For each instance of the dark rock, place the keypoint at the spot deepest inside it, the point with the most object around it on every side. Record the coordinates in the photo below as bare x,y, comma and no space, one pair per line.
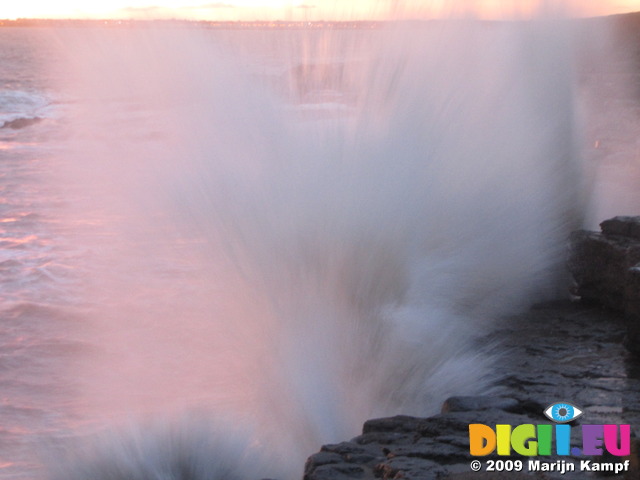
622,226
466,404
632,309
364,459
339,471
405,447
457,423
384,438
346,449
21,123
632,292
321,458
561,351
342,461
397,424
600,265
606,269
436,451
527,406
456,441
494,476
409,468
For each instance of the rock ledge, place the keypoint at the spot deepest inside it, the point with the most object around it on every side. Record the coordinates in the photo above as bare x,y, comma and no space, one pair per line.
606,268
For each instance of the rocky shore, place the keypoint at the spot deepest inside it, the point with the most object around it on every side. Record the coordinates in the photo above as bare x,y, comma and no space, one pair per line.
606,269
571,351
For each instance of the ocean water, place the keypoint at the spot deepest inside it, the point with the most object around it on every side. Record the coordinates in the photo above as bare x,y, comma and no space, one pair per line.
250,242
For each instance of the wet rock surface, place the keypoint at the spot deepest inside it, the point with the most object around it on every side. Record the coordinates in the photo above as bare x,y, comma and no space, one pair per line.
602,262
606,268
561,351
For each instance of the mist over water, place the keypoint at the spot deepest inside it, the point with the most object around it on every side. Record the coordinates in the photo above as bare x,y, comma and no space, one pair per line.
292,232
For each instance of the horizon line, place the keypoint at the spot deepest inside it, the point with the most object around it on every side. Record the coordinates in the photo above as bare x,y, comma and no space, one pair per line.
279,21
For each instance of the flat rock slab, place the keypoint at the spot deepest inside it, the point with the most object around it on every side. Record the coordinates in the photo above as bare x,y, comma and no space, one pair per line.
556,352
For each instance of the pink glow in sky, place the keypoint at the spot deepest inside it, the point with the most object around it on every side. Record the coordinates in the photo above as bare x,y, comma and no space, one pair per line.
297,9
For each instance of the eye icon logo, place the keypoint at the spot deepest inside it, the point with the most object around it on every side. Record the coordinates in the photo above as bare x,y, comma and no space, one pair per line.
562,412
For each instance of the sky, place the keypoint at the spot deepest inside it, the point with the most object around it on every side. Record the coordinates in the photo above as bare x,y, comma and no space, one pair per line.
296,9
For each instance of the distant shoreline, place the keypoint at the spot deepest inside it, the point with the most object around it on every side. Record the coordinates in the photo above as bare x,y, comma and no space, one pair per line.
256,24
223,25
